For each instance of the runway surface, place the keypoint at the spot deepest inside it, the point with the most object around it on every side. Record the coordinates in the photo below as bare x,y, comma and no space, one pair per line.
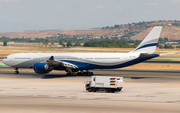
174,72
28,92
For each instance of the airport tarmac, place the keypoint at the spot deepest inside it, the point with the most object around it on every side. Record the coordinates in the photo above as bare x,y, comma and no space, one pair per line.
56,93
115,71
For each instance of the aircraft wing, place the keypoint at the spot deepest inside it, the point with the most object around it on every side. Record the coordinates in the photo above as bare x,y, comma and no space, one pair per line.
53,63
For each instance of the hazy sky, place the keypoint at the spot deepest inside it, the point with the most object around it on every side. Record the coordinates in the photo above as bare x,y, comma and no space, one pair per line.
81,14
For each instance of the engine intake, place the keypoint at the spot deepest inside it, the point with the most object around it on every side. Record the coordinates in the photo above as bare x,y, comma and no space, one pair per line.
42,68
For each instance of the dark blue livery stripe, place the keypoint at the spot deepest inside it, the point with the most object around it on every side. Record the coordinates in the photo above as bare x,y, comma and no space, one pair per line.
147,45
89,66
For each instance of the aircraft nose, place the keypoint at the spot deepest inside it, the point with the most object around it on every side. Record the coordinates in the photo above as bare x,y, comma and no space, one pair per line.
4,60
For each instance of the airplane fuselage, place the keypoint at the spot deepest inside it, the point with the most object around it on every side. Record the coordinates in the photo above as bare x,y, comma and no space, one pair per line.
85,61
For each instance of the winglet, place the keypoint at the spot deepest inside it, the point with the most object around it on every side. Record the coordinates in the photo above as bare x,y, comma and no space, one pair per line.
148,45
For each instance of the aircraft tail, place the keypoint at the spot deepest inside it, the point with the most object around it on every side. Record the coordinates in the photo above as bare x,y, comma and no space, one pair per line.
148,45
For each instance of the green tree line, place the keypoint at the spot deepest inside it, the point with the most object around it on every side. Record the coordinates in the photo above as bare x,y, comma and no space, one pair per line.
108,43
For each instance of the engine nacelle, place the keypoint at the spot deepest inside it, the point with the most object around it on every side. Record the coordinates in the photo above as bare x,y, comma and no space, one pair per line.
42,68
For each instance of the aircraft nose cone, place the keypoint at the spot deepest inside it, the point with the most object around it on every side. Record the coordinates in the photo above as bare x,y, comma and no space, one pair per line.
4,61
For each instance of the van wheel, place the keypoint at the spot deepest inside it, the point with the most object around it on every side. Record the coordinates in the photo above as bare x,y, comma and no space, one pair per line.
107,90
89,90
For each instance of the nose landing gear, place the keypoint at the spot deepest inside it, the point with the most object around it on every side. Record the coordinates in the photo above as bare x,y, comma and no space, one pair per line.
16,71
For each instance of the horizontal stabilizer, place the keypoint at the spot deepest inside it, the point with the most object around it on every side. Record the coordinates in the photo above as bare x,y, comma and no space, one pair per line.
168,53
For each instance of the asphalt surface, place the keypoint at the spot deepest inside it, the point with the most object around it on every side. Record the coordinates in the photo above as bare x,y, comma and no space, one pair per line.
139,71
28,92
128,78
1,58
115,70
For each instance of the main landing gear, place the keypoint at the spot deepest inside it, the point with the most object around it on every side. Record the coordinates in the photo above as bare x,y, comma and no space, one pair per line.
71,74
87,73
16,71
81,73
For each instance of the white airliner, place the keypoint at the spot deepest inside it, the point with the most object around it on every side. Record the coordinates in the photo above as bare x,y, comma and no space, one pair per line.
73,62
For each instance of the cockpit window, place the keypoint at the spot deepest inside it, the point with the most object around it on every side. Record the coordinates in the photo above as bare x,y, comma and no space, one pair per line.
5,58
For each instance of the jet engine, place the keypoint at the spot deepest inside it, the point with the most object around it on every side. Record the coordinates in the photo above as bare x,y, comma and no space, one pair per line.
42,68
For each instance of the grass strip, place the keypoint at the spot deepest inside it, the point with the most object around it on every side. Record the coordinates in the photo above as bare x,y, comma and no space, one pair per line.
165,59
1,64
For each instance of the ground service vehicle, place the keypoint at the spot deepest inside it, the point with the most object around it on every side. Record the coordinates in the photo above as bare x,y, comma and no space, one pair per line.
104,83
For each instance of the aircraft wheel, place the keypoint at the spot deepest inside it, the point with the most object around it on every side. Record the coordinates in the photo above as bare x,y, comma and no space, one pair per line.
68,74
16,72
73,74
84,74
